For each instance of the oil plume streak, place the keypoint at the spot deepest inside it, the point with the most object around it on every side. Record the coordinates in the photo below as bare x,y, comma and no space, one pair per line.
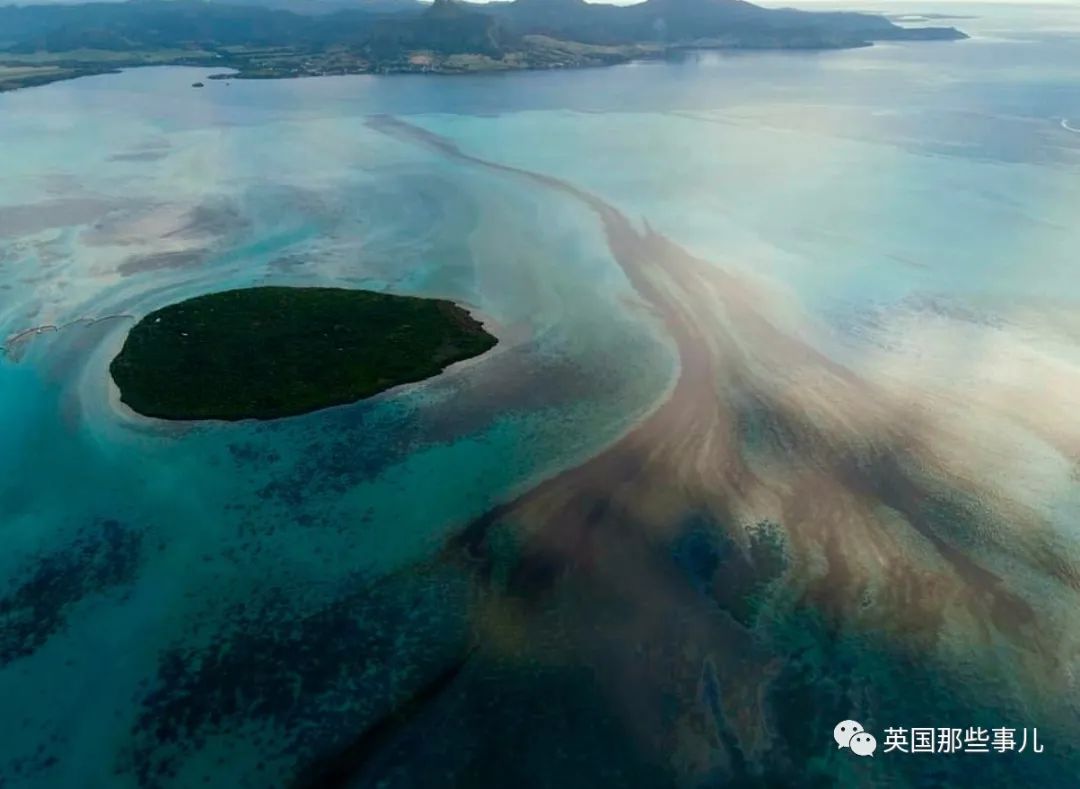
888,530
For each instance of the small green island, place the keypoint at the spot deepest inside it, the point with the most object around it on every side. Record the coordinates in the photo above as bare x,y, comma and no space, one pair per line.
269,352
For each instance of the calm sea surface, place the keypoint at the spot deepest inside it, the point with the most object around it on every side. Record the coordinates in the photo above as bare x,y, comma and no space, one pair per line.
783,427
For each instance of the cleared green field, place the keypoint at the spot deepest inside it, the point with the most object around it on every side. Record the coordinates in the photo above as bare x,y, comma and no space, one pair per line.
105,56
14,77
13,72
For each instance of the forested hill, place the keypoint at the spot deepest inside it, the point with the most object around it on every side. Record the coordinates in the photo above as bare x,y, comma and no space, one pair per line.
733,22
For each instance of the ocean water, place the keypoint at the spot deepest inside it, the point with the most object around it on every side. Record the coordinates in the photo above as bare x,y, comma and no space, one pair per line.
783,427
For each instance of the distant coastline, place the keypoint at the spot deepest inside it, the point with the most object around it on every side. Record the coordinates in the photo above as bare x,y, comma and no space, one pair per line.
47,44
14,77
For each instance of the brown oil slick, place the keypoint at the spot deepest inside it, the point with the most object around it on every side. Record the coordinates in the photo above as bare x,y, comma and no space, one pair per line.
892,528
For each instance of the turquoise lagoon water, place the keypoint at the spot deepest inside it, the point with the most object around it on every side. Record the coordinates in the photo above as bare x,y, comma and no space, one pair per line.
225,604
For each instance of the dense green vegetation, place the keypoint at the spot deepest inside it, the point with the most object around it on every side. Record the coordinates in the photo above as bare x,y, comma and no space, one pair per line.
273,351
400,35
